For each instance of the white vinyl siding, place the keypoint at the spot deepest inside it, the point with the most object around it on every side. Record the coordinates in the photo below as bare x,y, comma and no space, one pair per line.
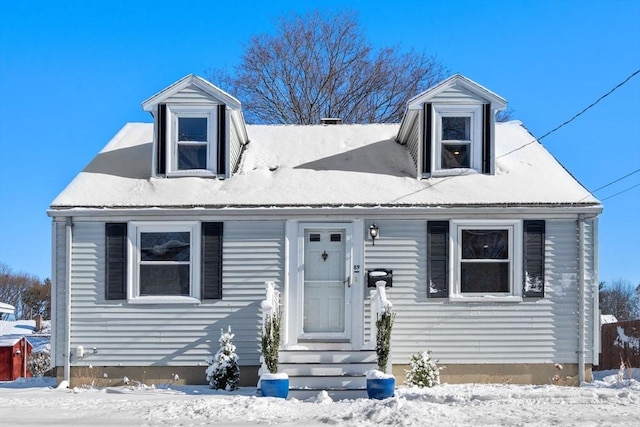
192,95
532,331
457,94
172,334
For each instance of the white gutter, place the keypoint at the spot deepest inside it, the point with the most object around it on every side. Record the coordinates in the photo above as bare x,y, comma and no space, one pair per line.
67,327
582,303
374,212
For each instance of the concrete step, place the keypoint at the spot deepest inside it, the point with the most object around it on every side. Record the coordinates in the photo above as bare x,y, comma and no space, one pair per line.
327,382
325,369
335,394
327,356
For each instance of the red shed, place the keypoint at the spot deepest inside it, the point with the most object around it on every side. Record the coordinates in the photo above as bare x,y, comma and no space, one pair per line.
14,351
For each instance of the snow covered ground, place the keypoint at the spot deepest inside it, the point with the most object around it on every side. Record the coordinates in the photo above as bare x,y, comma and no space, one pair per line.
608,401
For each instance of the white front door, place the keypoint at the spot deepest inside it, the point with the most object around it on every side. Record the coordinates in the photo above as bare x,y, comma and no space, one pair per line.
326,285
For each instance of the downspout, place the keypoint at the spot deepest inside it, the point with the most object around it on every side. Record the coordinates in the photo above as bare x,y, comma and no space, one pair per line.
582,303
67,316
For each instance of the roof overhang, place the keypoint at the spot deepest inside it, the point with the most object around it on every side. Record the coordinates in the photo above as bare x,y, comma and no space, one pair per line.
496,101
191,80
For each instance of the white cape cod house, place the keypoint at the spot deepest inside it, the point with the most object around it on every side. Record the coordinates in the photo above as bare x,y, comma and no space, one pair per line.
170,234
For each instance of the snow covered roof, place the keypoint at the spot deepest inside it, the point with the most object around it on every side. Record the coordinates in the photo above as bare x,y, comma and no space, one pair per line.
12,331
319,166
608,318
7,308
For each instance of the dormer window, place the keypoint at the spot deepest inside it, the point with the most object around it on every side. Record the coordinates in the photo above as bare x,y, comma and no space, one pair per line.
194,141
458,139
449,129
199,130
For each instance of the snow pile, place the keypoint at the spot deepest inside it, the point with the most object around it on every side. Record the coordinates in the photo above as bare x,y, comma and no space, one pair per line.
606,401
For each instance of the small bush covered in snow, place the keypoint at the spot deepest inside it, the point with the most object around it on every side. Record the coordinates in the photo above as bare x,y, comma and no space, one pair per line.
223,372
424,371
39,363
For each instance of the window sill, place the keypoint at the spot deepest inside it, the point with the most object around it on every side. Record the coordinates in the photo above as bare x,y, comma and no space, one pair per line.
196,172
486,298
453,172
168,299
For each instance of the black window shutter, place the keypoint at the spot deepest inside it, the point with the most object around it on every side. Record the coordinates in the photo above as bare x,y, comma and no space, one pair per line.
438,259
161,155
116,261
222,140
533,262
212,260
428,127
486,138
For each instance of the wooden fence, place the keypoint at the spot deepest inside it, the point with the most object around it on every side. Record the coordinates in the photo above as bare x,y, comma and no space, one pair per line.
620,343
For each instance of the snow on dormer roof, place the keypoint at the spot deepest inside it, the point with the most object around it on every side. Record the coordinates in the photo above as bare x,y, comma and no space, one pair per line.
191,80
461,81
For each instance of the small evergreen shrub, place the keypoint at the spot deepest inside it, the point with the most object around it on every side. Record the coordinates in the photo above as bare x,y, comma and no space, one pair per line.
270,342
424,371
384,325
223,372
39,363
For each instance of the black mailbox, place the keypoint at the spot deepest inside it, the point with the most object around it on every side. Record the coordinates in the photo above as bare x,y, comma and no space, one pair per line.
376,275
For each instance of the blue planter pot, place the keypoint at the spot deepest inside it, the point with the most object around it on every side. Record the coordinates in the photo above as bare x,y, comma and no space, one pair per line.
275,388
381,388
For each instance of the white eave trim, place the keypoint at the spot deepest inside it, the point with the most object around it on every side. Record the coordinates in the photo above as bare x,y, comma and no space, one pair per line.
497,102
188,80
364,212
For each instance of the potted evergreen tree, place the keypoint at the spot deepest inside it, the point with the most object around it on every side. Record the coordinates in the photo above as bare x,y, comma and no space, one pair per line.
272,383
380,384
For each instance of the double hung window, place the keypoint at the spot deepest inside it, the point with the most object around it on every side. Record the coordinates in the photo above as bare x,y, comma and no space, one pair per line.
470,260
193,138
165,260
458,139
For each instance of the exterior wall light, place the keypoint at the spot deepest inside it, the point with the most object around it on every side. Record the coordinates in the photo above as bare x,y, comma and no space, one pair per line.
373,232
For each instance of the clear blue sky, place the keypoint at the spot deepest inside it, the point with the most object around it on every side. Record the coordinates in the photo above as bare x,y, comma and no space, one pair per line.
72,73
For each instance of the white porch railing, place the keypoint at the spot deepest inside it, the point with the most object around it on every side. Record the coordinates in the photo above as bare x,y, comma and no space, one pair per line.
378,305
271,303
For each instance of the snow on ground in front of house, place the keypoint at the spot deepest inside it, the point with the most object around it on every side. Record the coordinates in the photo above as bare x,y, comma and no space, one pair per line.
608,401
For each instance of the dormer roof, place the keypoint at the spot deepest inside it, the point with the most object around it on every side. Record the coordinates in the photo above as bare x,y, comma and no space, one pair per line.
457,81
207,88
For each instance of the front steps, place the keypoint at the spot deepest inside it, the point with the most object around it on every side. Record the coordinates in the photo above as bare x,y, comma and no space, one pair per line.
341,373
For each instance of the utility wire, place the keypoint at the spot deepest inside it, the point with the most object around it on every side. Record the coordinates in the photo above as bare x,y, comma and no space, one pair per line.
593,104
617,180
620,192
611,183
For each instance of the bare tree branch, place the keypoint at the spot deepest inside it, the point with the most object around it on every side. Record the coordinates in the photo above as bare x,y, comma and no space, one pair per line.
320,65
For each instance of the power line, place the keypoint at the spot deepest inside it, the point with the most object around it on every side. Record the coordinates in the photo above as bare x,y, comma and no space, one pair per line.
617,180
593,104
610,183
620,192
